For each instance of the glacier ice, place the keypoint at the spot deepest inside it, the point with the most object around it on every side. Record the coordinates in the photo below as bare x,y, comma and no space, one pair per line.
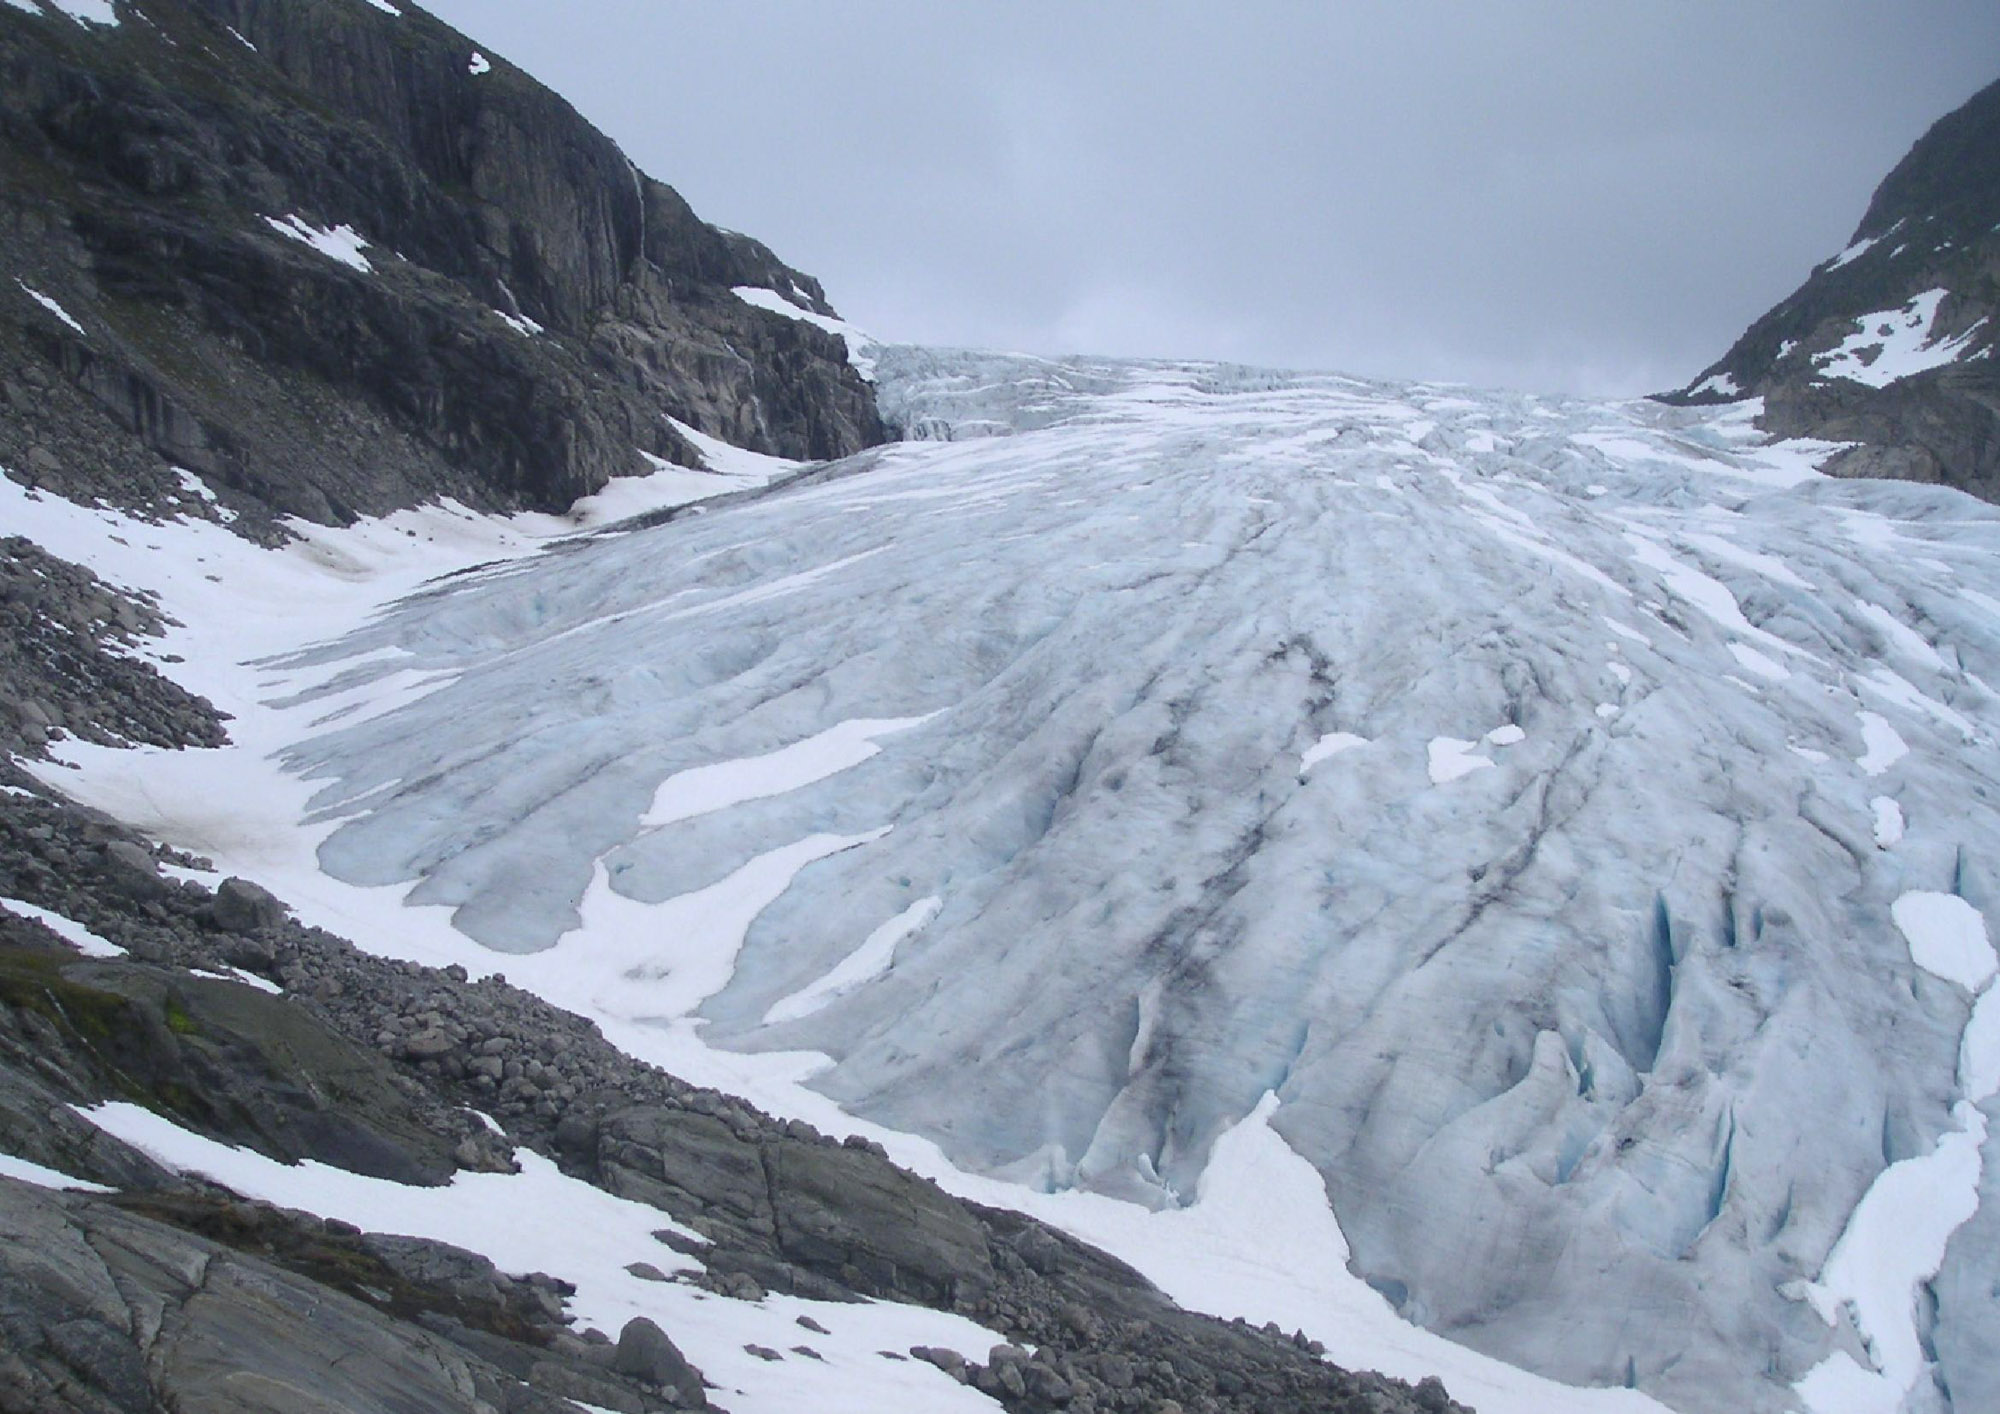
1597,1043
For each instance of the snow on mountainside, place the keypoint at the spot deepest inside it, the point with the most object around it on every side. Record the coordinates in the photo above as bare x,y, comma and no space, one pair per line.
1890,343
1576,816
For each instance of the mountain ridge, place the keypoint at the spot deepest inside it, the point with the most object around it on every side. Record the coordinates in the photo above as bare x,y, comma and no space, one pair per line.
1889,346
316,255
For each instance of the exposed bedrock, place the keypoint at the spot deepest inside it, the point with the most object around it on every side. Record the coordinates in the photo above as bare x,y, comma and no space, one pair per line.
523,312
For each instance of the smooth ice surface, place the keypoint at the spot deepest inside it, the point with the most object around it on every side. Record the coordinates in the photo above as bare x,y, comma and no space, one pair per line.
1595,1048
342,243
71,932
1947,936
538,1220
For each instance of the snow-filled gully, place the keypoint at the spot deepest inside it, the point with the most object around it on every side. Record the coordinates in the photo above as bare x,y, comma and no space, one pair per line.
1306,721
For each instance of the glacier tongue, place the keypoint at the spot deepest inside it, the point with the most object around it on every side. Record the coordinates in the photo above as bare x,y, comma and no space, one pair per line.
1597,1046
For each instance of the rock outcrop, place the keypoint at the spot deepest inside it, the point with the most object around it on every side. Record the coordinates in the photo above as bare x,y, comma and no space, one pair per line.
1889,345
313,253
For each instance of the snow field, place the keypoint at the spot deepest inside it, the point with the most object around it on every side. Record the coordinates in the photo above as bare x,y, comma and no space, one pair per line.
538,1220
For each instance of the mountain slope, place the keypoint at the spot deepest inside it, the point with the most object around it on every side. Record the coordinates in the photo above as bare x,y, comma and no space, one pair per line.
332,259
1890,343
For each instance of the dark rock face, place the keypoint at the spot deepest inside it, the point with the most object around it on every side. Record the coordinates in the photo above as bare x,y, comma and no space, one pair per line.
525,312
1934,224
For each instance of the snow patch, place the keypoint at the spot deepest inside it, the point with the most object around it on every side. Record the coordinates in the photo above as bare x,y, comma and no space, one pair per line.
1758,663
859,343
88,12
875,956
1892,344
1881,745
701,790
73,933
1451,758
1332,744
1947,937
341,243
1888,821
519,323
1852,253
539,1220
49,304
28,1171
478,64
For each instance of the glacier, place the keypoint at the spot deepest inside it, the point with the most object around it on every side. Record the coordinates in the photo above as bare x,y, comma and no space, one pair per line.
1501,782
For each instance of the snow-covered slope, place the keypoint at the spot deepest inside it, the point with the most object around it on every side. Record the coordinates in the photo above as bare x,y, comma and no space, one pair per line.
1578,816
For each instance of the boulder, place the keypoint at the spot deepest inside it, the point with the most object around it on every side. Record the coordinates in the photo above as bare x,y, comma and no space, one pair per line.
646,1354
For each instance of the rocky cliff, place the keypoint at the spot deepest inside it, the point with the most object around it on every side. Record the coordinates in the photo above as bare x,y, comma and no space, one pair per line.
1889,344
334,259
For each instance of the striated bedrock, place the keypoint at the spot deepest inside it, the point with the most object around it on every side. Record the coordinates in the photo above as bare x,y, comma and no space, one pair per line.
315,254
1889,344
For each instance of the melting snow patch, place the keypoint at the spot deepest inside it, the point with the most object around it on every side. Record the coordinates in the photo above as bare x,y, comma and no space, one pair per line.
50,305
1947,937
478,64
1758,663
1451,758
875,956
1719,383
858,343
703,789
1888,821
1893,344
541,1220
1895,1239
88,12
1332,744
520,324
75,934
1853,252
1901,635
386,8
1882,746
340,243
27,1171
1508,735
237,35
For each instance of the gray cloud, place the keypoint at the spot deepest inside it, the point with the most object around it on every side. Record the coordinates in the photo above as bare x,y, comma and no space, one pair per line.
1580,198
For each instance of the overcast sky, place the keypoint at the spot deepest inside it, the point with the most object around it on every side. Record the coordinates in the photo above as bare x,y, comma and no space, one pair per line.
1588,197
